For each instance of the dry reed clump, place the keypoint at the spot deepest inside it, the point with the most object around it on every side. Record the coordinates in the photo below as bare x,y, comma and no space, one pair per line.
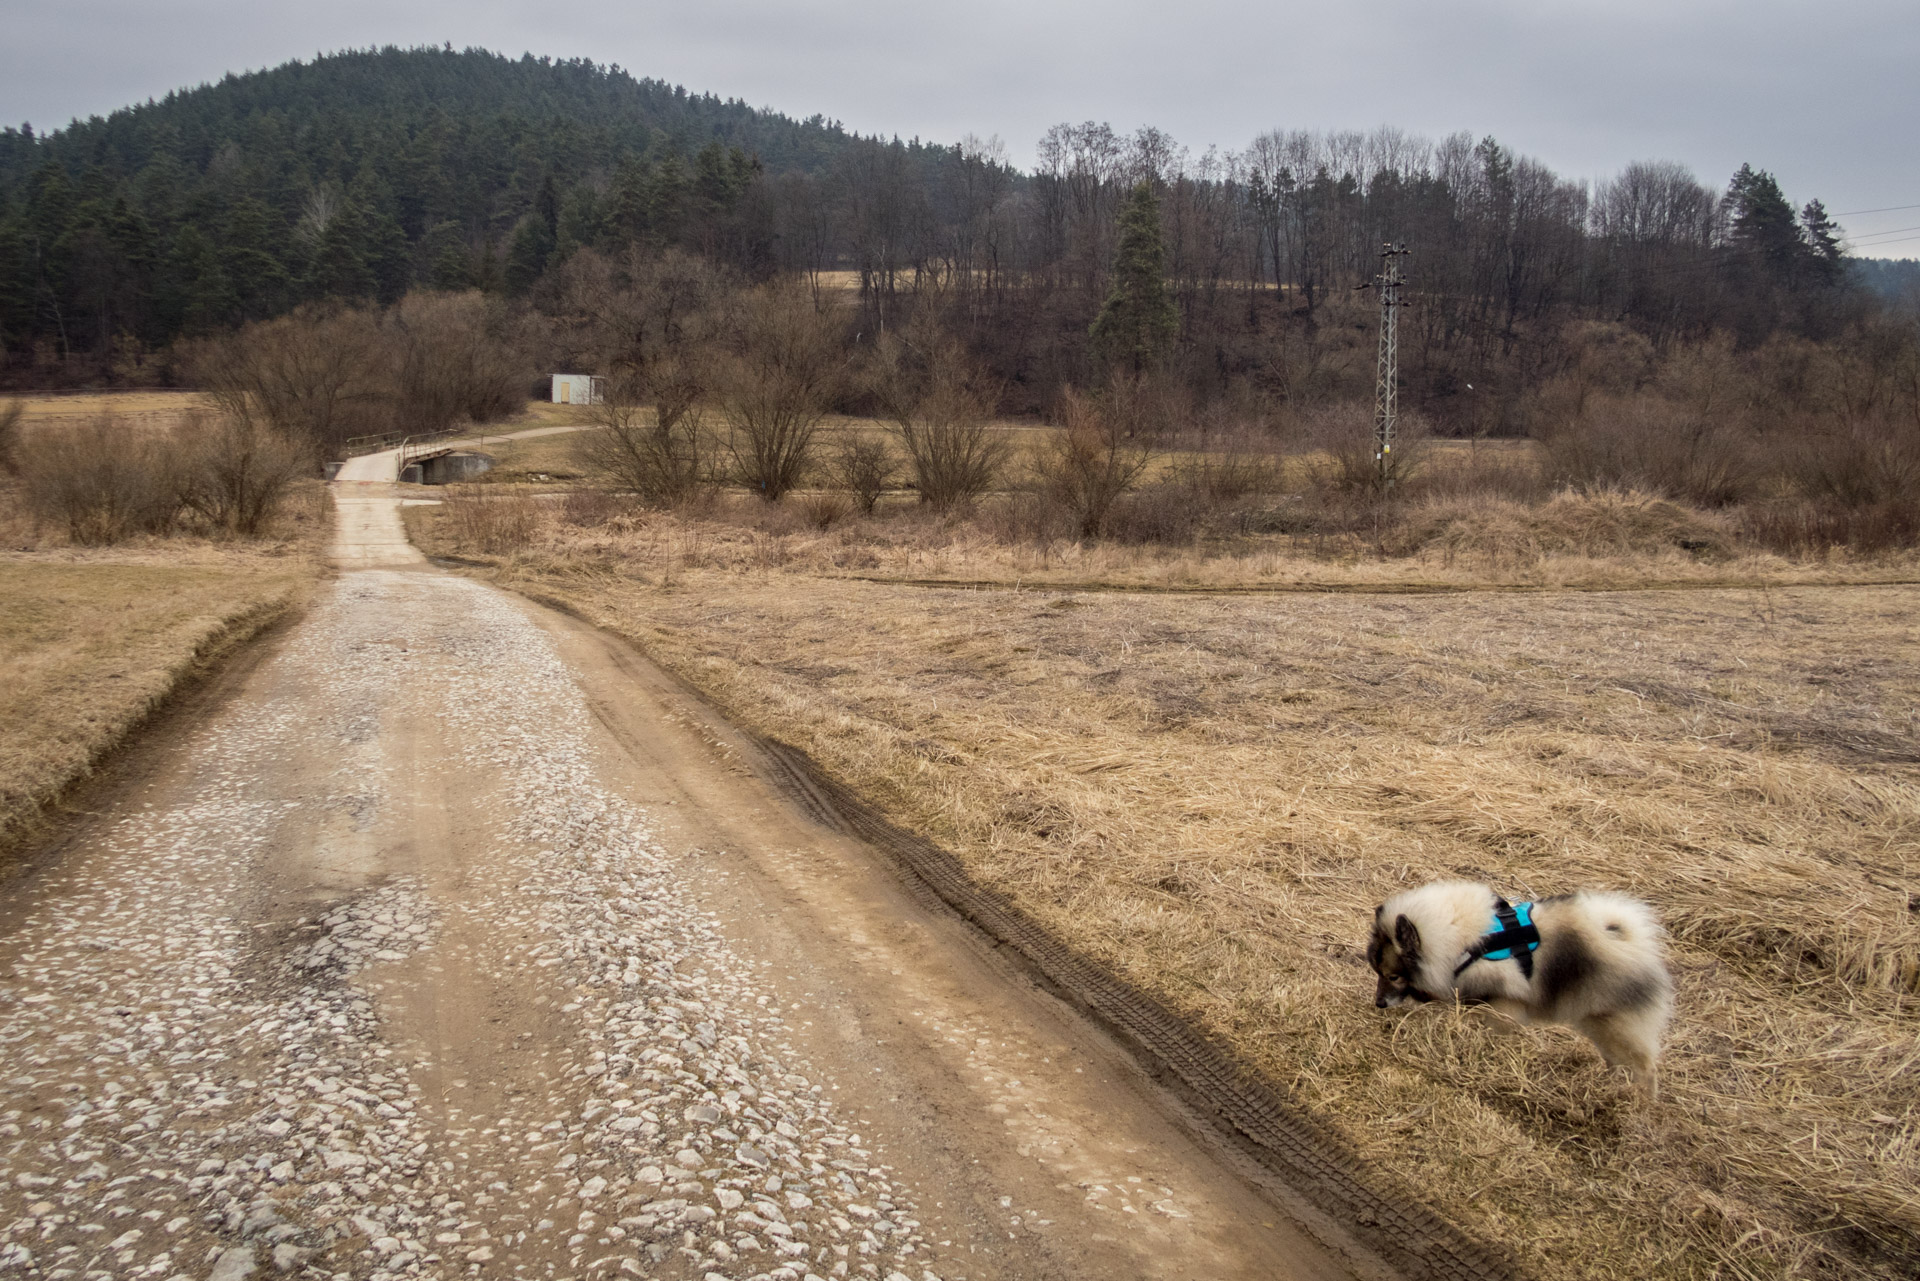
1600,523
492,518
1210,793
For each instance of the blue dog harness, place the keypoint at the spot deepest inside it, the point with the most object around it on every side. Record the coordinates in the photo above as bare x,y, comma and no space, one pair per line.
1513,937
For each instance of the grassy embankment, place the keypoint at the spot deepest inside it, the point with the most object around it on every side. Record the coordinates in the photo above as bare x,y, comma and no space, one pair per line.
93,641
1209,788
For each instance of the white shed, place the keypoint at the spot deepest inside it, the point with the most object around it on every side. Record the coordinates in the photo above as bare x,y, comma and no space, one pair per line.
578,389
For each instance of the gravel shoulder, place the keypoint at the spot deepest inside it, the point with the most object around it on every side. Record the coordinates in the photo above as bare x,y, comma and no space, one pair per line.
456,943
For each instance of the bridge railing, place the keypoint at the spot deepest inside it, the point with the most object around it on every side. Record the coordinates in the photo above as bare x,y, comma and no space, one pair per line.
357,445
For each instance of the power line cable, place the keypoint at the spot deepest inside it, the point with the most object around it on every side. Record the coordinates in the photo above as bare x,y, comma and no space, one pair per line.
1875,235
1903,240
1854,213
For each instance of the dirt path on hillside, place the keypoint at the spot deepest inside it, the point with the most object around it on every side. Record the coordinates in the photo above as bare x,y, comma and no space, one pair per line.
458,943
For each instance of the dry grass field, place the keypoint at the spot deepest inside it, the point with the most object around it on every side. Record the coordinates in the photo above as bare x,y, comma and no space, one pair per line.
92,640
134,409
1210,789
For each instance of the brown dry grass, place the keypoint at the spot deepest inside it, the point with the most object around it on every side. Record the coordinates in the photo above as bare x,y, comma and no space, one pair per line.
1209,792
92,641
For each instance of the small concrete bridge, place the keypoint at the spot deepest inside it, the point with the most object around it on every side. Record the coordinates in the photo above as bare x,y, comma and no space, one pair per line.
384,459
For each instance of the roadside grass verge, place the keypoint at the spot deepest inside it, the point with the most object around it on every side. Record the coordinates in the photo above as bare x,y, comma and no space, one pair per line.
1209,792
94,642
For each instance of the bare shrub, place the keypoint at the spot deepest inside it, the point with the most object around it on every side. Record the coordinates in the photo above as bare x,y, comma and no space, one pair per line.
1510,470
1166,513
1652,443
826,509
234,472
455,357
99,482
11,417
1601,358
1859,464
491,518
1345,459
941,406
664,460
1146,406
774,386
1085,467
1796,526
864,469
1227,471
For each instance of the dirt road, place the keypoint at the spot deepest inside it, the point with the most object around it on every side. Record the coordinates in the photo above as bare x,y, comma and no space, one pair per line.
456,942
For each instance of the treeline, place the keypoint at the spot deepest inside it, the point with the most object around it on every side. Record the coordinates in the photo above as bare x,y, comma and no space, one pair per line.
358,177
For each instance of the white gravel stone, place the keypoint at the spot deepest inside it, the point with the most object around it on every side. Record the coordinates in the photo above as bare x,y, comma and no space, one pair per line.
233,1083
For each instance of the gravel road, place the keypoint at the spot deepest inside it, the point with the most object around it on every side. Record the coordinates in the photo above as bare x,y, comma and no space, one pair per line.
452,944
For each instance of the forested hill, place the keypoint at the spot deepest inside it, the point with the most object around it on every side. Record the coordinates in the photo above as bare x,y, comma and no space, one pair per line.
459,110
359,173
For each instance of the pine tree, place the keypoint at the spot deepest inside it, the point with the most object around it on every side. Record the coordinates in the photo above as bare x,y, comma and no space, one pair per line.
667,199
1761,222
384,245
198,295
449,258
1823,243
252,254
627,220
1137,323
338,268
527,254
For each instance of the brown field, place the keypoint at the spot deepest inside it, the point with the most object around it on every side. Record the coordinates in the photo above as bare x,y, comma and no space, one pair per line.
142,409
92,641
1209,790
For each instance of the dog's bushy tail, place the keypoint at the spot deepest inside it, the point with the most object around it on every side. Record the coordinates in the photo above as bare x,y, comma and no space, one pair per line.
1617,918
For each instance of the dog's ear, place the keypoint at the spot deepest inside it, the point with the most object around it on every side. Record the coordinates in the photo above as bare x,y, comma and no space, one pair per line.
1407,935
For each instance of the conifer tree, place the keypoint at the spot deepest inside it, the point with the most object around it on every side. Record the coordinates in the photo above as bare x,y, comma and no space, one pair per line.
1823,243
198,297
250,254
338,267
1761,221
527,254
1137,323
449,259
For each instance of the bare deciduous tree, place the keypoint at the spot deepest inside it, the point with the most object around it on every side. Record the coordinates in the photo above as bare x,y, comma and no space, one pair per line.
322,375
654,322
665,461
775,384
457,357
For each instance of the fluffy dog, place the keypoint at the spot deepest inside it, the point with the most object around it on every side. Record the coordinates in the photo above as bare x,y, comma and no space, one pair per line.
1589,960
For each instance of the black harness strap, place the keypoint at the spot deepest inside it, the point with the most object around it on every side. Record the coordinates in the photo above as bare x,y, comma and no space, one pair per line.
1513,935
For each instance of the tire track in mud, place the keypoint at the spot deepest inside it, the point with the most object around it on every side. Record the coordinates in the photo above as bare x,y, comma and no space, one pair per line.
1243,1110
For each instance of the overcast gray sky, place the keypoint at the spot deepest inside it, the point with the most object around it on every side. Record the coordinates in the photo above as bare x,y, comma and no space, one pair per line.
1826,96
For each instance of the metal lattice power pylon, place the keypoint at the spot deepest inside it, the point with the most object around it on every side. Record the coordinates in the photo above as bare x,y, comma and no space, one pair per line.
1386,392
